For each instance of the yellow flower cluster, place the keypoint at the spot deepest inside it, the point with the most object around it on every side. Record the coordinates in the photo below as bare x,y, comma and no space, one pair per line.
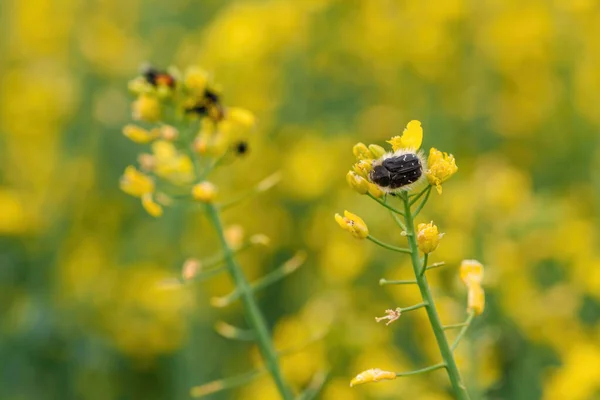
471,273
441,166
172,101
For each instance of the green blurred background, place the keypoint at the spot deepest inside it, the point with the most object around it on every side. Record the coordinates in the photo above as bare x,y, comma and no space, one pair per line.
511,88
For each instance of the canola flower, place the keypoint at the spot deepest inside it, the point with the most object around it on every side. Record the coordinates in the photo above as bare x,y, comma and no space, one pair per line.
404,180
194,131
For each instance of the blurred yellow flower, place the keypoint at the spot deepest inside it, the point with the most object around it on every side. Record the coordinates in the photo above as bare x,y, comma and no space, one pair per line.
241,116
196,80
138,134
471,272
372,375
441,167
357,182
151,206
170,164
476,299
204,192
135,183
411,138
428,237
353,224
146,108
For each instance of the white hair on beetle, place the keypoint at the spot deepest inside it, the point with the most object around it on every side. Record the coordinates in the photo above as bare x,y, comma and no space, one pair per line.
399,153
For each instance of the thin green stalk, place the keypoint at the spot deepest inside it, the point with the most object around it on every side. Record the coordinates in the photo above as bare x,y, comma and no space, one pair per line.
463,330
418,196
385,204
421,371
415,307
454,326
459,389
388,246
400,282
424,267
421,204
253,313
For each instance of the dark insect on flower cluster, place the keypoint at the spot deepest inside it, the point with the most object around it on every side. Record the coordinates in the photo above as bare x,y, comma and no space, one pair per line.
208,105
397,171
156,77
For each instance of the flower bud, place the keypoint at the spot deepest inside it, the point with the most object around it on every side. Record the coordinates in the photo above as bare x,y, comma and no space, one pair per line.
138,134
476,299
241,117
353,224
428,237
363,167
376,150
357,182
375,191
441,167
471,272
362,152
190,268
169,133
151,207
134,183
204,192
146,108
196,80
372,375
234,235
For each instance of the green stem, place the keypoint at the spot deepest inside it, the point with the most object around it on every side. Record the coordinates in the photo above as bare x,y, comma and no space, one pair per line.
463,330
415,307
388,246
401,282
422,370
424,267
421,204
385,204
254,314
418,196
459,389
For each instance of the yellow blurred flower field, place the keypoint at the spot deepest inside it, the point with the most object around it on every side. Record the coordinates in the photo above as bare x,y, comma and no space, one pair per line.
94,302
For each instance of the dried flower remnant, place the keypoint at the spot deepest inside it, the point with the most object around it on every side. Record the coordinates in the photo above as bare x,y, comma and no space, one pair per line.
391,316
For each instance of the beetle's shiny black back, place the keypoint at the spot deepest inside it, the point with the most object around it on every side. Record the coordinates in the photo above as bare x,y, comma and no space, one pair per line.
395,172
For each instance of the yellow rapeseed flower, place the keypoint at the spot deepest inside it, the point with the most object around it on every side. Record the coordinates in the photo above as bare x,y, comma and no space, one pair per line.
204,192
146,108
372,375
196,80
411,138
428,237
375,191
138,134
357,182
476,299
441,167
135,183
353,224
170,164
152,207
241,117
471,272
